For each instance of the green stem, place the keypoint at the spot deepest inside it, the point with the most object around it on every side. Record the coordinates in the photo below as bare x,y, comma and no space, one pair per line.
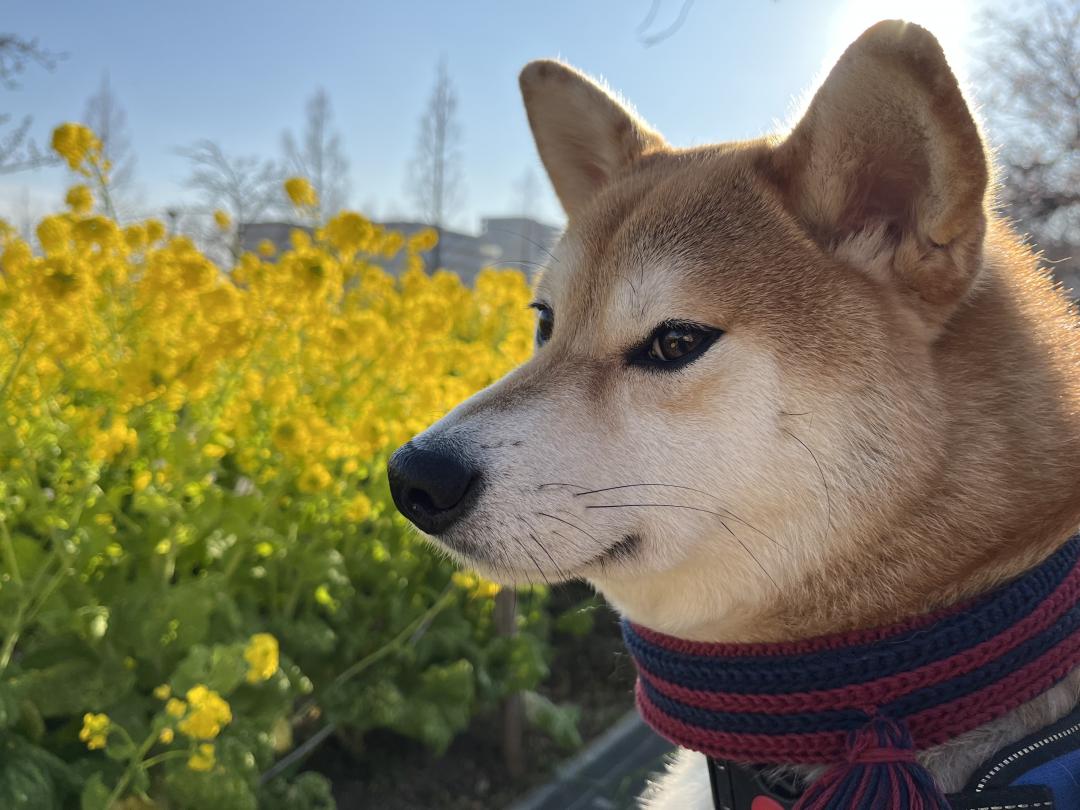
399,641
17,363
9,551
12,638
129,772
163,757
410,634
103,188
61,574
22,614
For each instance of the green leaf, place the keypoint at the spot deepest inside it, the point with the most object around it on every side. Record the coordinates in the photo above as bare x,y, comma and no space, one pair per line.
578,621
27,776
119,747
26,785
9,705
76,685
441,706
559,722
220,788
308,791
94,794
221,667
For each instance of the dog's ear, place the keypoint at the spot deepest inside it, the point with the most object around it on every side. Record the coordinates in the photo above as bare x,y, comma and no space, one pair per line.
584,136
887,168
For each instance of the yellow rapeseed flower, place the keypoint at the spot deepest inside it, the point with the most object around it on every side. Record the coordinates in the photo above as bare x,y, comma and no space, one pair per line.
261,654
175,707
423,240
301,193
54,234
348,232
141,480
316,477
166,736
359,508
155,230
213,450
476,586
163,692
203,758
80,199
95,730
266,248
222,220
208,713
74,142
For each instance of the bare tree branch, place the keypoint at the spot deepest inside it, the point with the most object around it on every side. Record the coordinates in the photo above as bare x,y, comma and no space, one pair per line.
104,115
1031,60
319,157
435,178
18,151
16,53
245,187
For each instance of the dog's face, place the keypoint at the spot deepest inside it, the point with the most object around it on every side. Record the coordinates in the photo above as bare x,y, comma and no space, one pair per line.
734,374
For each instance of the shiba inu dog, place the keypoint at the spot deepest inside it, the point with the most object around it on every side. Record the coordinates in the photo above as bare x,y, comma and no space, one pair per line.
782,388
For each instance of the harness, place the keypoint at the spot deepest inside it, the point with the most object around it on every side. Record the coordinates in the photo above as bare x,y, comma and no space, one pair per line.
863,704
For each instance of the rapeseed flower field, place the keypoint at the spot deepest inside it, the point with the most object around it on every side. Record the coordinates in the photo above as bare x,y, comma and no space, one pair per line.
200,565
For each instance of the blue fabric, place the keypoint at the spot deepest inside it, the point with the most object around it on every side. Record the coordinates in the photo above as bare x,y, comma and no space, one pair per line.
1061,775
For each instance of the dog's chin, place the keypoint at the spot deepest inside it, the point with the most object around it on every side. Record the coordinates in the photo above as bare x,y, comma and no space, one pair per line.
510,571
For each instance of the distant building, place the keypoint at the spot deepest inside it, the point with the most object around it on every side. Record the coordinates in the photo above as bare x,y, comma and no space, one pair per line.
463,253
520,242
280,233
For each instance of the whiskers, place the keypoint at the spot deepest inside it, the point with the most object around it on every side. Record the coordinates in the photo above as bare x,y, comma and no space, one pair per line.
533,535
727,513
824,482
722,514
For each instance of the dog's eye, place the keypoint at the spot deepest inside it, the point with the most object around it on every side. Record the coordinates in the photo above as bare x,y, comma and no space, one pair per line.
673,345
545,322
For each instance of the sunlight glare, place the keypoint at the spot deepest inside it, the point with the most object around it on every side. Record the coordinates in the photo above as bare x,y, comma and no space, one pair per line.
949,20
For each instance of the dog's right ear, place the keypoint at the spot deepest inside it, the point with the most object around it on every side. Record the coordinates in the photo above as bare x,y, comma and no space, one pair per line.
583,134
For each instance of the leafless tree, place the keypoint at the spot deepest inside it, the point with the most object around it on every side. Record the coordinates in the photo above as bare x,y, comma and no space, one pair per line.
244,187
527,192
26,214
18,150
1032,100
435,178
318,157
104,115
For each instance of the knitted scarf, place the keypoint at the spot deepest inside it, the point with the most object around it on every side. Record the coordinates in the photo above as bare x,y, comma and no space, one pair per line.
863,703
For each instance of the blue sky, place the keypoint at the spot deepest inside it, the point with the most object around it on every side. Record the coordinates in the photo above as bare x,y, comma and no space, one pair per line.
239,72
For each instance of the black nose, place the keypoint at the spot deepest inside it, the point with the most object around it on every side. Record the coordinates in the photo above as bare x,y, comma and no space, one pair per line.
432,488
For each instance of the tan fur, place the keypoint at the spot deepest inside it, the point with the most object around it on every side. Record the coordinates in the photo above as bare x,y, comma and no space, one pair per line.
890,423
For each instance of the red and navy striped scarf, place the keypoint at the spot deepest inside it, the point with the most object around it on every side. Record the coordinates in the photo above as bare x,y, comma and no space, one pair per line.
865,702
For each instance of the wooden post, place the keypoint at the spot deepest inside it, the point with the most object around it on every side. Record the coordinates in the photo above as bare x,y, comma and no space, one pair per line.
513,711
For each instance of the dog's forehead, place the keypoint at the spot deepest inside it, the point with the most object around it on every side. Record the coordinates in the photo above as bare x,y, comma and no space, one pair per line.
666,243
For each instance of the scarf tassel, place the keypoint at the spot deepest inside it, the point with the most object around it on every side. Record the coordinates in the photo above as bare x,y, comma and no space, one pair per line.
881,773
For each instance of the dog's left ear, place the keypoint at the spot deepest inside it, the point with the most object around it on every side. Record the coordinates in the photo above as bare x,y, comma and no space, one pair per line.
887,168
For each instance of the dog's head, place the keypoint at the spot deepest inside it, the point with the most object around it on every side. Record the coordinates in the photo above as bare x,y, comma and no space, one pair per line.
734,374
